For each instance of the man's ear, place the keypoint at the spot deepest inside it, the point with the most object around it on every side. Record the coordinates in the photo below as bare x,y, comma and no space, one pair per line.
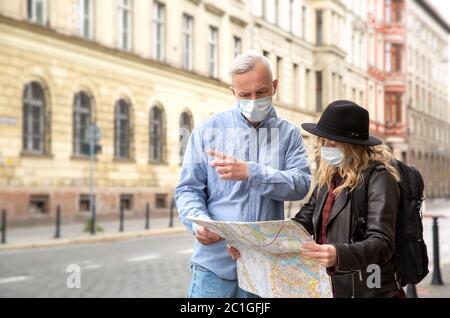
275,87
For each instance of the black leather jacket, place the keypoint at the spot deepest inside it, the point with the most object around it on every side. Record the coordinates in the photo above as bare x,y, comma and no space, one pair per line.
354,259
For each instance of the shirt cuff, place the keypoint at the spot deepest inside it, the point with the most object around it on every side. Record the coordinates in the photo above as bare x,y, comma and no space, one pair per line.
194,228
256,176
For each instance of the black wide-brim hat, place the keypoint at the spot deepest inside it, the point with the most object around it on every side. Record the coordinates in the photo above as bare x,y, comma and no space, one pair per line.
344,121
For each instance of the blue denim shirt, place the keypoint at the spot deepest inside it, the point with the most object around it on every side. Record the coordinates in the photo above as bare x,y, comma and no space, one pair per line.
278,168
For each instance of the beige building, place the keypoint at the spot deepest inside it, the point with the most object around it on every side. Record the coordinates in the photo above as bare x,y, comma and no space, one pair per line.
319,50
426,95
142,71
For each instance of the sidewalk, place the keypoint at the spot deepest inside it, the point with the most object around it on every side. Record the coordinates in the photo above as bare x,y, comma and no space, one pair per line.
426,290
43,236
439,207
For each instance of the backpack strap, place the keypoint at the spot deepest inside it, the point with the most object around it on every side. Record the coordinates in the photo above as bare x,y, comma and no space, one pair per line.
359,203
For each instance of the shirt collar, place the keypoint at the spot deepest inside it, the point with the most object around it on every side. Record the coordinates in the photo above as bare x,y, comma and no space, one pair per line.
337,180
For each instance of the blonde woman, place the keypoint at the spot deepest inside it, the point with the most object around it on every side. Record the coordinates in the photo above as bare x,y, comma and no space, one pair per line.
346,152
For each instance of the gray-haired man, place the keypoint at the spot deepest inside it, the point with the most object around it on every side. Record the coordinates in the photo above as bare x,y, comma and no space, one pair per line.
240,165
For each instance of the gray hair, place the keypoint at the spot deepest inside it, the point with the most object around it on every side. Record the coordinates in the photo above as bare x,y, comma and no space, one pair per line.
245,62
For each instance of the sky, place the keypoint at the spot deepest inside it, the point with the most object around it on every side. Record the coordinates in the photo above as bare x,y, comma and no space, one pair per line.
443,7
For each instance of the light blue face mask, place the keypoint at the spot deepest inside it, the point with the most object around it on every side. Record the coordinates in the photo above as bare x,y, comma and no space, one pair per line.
332,156
256,110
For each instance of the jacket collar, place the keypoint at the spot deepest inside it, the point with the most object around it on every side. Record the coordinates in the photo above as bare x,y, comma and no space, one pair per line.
340,203
322,197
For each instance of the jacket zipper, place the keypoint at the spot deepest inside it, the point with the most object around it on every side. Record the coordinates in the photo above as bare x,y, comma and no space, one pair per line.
353,281
353,285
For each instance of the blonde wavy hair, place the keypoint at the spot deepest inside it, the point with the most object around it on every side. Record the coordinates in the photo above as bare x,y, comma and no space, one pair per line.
352,171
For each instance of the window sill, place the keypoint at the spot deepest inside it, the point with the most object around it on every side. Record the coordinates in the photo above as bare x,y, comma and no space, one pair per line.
82,158
36,155
44,215
158,163
394,24
124,160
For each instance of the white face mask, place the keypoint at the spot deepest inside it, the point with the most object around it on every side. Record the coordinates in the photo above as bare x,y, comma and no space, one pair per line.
256,110
332,156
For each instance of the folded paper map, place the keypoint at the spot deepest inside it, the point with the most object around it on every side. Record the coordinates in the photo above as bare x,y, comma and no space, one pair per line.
270,264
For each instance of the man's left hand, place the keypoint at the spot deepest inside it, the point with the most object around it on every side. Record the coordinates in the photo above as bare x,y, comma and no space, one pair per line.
229,168
325,254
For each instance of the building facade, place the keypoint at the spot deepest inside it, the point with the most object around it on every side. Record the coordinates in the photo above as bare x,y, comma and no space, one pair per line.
146,72
413,66
427,96
142,71
319,51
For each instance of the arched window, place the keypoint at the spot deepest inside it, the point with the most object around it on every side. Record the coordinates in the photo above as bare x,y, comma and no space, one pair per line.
122,130
34,119
156,134
82,119
186,125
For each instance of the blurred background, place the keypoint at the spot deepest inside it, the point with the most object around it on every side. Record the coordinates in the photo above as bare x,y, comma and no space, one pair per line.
96,97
